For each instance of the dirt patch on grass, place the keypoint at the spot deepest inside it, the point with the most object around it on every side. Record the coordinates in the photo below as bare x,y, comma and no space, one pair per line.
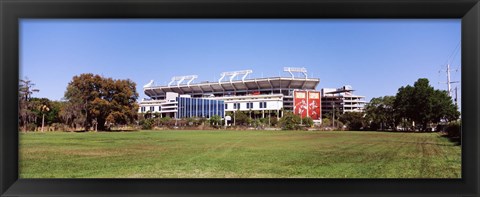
94,152
303,137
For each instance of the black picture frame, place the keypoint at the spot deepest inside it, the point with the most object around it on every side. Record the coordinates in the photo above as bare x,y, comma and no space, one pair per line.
13,10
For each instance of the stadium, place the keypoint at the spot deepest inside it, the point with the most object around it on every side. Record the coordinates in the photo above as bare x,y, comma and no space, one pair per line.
270,96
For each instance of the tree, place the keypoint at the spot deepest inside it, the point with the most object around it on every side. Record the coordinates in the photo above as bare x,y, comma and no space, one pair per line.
105,100
241,118
353,120
215,120
443,109
26,113
422,104
71,114
380,113
26,89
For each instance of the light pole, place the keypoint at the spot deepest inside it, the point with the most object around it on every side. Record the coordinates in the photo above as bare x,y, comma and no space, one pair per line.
333,114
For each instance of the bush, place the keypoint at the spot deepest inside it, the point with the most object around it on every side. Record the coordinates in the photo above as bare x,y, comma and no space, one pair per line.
163,121
453,129
215,120
326,122
307,121
273,121
242,118
60,127
31,126
353,120
147,124
290,121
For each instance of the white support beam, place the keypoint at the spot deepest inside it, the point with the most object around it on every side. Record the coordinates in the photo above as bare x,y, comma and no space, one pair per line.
201,89
271,85
291,70
289,83
303,85
190,81
258,85
233,74
149,84
180,79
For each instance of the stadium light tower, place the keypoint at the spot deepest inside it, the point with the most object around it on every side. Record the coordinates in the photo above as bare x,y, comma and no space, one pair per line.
291,70
149,84
180,79
233,74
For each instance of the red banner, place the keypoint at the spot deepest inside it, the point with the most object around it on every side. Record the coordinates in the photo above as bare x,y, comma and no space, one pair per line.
300,103
314,104
307,103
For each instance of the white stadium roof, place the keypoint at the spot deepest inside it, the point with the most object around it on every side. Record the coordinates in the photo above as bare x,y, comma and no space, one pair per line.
261,84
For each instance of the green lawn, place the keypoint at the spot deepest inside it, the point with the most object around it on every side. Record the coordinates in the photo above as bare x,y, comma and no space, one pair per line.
238,154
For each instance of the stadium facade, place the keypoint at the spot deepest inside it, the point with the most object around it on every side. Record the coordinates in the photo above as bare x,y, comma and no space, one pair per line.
233,92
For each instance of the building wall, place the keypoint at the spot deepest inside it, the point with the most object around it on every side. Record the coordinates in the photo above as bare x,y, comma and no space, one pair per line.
183,106
197,107
253,102
342,101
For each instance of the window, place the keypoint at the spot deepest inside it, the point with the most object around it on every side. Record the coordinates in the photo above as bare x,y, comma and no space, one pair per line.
226,106
263,104
249,105
152,109
237,105
143,109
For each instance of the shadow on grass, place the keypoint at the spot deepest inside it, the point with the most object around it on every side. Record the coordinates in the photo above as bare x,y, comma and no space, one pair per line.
455,139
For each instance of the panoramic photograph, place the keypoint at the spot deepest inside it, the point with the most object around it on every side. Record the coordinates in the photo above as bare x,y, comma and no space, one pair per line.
231,98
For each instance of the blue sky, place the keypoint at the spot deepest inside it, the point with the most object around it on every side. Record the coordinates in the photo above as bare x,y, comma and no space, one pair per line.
376,57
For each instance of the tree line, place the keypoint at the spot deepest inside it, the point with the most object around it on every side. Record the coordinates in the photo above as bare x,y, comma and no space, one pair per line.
93,102
414,108
90,102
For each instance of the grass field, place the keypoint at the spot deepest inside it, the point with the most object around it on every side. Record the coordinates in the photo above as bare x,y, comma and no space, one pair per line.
238,154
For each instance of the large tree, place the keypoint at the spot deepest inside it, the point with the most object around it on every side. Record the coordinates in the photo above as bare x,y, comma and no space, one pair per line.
381,114
422,104
101,101
26,113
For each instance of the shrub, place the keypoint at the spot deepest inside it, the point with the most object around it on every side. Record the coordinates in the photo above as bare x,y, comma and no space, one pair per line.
307,121
242,118
215,120
31,126
290,121
147,124
353,120
163,121
453,129
273,121
326,122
